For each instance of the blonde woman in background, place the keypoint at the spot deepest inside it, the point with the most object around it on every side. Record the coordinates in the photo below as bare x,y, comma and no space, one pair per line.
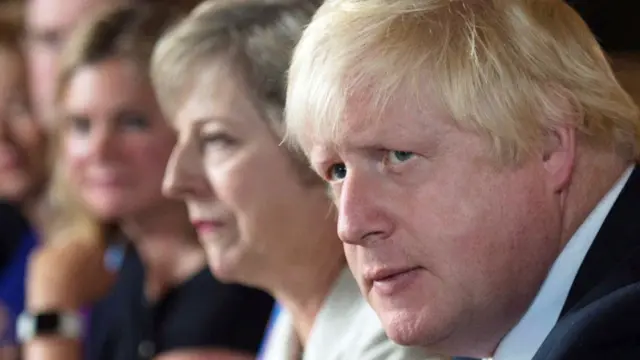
263,218
113,148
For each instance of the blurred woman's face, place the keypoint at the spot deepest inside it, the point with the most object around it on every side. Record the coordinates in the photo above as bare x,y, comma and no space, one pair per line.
22,145
243,194
116,143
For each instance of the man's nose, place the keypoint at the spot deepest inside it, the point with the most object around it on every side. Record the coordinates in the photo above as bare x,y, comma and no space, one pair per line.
361,216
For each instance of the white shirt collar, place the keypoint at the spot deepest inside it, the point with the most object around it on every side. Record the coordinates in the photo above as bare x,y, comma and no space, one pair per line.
523,341
344,298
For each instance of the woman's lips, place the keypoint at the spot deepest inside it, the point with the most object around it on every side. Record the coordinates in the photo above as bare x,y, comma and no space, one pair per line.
206,226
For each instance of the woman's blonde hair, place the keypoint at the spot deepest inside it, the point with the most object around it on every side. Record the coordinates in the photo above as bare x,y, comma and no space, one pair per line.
503,68
128,33
255,37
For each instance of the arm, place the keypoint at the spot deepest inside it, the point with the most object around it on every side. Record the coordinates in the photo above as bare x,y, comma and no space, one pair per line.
64,278
53,349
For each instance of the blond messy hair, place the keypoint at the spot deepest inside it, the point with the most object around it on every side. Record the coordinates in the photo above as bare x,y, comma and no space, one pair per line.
503,68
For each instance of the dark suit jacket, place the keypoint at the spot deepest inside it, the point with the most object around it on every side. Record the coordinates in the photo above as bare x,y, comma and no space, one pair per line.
601,317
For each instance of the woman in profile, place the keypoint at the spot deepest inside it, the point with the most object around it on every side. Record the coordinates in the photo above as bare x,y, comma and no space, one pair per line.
113,147
262,216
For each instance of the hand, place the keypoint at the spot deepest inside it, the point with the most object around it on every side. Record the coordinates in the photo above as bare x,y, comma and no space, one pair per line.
67,276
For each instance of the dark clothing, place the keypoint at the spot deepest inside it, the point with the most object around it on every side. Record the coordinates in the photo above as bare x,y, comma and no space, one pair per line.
13,287
614,22
13,227
200,313
16,243
600,317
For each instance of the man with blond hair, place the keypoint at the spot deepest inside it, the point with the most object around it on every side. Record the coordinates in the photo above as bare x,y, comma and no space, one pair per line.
481,155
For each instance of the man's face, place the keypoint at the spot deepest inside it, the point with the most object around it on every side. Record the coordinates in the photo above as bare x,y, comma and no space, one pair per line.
447,247
48,26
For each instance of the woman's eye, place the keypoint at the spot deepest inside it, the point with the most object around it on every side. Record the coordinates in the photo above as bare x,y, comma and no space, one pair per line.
80,124
216,140
134,122
398,157
337,172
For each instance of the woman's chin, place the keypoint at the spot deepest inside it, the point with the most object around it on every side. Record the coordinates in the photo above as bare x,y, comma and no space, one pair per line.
222,267
221,273
107,212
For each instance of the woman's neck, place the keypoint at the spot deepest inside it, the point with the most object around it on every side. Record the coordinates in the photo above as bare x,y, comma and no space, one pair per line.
303,286
167,246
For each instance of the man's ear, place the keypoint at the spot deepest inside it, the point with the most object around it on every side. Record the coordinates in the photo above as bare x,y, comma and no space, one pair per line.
559,155
559,141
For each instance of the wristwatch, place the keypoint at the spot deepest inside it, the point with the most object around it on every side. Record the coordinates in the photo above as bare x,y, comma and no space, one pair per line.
66,324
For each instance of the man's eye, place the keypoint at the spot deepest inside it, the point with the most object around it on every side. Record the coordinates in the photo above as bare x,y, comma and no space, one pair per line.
398,157
337,172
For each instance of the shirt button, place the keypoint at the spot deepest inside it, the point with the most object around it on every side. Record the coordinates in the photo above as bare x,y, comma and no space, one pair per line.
146,349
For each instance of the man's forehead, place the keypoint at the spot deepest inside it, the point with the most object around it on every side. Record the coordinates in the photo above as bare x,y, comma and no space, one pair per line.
365,126
50,15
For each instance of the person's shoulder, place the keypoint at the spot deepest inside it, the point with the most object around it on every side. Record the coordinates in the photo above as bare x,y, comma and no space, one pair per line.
606,328
204,284
205,313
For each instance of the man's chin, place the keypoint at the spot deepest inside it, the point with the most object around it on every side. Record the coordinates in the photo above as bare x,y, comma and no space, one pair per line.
417,325
402,327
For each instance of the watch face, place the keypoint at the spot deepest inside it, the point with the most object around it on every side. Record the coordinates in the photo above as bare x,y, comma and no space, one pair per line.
47,323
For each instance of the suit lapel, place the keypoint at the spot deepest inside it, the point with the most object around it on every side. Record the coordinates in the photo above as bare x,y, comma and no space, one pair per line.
616,241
